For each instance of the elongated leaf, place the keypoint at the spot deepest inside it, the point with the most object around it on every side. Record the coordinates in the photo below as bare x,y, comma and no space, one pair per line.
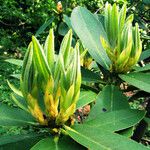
145,54
14,117
17,76
15,61
40,59
144,68
26,70
16,142
116,120
63,29
65,47
85,98
49,49
127,132
139,80
67,21
109,99
44,26
89,76
14,89
98,139
89,30
64,143
20,101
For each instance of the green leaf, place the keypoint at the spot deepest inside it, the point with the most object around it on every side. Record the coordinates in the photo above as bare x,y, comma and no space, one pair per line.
145,54
139,80
116,120
16,142
144,68
49,49
89,30
14,117
85,98
14,89
63,29
26,70
109,99
67,21
40,59
44,26
64,143
65,47
20,101
127,132
90,76
15,61
98,139
17,76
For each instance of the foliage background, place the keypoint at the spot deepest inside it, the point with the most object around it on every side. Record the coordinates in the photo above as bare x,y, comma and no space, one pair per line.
21,19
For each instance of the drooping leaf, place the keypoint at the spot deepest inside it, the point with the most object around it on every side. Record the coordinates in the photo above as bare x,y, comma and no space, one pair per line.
14,89
63,29
14,117
67,21
116,120
109,99
145,54
89,76
64,143
98,139
139,80
17,62
16,142
144,68
44,26
17,76
127,132
20,101
85,98
89,30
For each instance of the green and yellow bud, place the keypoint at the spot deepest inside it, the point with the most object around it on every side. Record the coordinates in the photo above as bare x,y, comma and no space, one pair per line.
123,44
51,86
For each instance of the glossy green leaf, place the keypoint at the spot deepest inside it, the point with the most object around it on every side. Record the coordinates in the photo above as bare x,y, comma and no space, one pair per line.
17,76
64,143
14,89
98,139
67,21
44,26
19,142
20,101
145,54
14,117
85,98
109,99
144,68
139,80
90,76
63,29
116,120
15,61
127,132
89,30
